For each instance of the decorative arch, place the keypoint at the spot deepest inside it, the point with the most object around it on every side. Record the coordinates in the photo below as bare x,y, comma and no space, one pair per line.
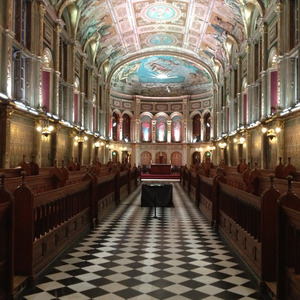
272,59
273,81
145,160
176,159
47,80
47,58
161,157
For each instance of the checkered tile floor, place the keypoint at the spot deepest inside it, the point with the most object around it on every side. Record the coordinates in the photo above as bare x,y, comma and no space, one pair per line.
132,255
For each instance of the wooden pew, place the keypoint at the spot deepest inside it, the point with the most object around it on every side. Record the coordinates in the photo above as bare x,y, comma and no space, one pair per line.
46,223
7,239
288,276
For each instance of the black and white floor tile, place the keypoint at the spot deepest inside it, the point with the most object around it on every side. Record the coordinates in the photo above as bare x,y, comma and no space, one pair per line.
132,255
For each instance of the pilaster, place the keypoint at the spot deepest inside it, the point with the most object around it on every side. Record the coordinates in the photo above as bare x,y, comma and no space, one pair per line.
6,112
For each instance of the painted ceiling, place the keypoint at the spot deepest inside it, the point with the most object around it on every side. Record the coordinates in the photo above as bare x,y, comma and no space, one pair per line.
119,29
160,76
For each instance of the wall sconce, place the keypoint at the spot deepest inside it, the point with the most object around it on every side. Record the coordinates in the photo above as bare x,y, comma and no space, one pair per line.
109,146
271,133
123,148
241,140
46,129
97,145
222,145
80,139
199,149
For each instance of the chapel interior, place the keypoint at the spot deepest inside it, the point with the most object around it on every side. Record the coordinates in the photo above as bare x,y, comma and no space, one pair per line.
202,91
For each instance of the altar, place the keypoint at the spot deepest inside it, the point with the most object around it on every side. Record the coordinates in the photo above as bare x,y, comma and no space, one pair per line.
160,169
160,195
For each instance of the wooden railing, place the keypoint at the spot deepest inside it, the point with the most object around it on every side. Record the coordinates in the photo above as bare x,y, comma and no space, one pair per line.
37,227
249,222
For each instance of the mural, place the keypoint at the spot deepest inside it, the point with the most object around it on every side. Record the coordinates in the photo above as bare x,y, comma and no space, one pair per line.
122,28
161,76
161,129
146,128
176,129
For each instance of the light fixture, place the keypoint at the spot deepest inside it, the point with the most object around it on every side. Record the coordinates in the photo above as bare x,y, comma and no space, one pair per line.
97,145
80,139
45,128
222,145
239,140
271,133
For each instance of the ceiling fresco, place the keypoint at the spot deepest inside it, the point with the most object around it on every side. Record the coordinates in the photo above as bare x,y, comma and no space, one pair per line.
161,76
124,28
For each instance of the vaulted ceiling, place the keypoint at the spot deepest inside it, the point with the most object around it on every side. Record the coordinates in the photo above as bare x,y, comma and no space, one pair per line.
191,36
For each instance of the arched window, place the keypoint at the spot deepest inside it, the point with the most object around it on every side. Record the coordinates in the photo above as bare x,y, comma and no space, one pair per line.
176,129
46,80
273,83
126,128
161,129
115,126
146,129
196,128
207,124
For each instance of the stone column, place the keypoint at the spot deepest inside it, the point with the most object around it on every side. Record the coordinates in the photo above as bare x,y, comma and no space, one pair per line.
153,131
121,129
56,54
6,112
107,102
37,64
136,119
202,127
169,128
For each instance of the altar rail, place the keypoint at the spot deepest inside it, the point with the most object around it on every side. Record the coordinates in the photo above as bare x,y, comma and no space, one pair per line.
38,227
249,223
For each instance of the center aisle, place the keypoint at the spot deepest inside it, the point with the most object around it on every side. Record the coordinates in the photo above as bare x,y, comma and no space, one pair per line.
132,255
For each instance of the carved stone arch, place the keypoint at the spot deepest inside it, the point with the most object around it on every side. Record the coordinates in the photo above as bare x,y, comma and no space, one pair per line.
147,114
174,114
127,112
161,114
47,58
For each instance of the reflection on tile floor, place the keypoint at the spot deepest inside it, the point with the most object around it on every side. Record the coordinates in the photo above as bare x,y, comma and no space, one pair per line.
132,255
